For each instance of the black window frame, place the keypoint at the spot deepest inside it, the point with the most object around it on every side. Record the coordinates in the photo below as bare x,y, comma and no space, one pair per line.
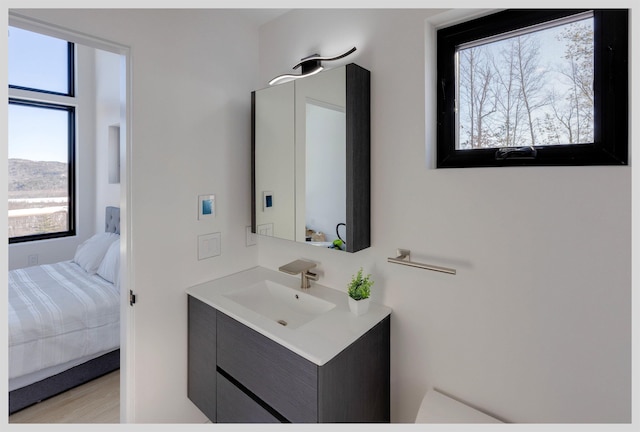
33,100
611,92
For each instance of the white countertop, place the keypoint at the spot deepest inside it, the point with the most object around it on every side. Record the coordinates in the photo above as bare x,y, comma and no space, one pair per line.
318,340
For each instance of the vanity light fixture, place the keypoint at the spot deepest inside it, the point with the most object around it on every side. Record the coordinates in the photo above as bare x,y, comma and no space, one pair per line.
310,65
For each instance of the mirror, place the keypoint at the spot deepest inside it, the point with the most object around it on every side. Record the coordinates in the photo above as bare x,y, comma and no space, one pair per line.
310,160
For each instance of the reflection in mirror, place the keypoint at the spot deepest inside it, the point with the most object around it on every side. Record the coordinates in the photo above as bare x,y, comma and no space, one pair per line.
325,195
310,159
320,146
274,168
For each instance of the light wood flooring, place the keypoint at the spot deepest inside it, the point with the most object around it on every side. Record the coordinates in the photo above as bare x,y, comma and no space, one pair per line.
97,401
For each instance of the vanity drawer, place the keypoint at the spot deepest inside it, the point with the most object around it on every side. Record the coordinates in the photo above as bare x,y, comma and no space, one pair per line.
234,406
282,379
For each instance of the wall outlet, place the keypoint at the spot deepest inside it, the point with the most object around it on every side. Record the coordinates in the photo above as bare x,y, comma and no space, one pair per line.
32,260
251,238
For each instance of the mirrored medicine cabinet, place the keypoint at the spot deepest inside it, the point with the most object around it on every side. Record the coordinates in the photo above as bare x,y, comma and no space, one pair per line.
310,159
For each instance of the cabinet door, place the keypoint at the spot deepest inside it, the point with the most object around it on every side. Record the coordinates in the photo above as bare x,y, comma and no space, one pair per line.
354,386
282,379
201,386
234,406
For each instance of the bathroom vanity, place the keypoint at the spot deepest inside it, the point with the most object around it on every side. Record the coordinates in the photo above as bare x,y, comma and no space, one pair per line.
318,363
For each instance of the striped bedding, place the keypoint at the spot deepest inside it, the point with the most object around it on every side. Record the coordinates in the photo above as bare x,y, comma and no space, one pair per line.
59,313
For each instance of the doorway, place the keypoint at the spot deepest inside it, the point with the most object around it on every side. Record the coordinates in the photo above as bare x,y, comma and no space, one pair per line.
109,131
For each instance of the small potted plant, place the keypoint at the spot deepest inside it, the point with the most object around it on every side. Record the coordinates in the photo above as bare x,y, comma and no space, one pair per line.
359,290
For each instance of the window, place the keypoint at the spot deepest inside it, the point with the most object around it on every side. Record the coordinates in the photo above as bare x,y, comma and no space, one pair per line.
534,87
41,137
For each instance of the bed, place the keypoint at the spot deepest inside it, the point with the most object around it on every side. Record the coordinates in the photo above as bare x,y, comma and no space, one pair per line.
64,319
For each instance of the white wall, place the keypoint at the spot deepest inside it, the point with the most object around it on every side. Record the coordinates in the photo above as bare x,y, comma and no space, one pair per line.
536,325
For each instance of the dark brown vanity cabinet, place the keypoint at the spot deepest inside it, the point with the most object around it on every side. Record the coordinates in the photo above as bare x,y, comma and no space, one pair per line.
237,375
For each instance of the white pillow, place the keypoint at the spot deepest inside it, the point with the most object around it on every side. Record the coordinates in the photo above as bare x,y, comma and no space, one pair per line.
110,266
90,253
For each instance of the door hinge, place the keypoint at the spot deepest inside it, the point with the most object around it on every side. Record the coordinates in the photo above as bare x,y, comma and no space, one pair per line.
132,298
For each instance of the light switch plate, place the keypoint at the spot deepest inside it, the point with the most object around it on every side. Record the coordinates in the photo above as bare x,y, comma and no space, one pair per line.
265,229
251,238
208,245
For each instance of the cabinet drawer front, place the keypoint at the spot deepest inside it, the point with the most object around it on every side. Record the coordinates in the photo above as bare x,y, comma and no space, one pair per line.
276,375
236,407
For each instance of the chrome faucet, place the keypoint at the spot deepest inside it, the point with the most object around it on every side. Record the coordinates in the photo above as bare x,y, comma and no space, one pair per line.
302,267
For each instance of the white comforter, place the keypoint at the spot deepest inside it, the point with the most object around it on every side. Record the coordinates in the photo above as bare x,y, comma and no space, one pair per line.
59,313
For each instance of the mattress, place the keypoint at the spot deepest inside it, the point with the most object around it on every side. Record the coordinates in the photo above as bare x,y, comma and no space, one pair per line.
59,314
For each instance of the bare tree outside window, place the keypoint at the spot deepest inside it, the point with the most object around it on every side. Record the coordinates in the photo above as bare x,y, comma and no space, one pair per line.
534,88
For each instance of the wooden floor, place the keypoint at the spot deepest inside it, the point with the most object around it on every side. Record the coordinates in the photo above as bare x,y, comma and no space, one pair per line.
97,401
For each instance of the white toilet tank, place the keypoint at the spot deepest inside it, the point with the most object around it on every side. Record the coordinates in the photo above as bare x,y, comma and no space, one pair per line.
439,408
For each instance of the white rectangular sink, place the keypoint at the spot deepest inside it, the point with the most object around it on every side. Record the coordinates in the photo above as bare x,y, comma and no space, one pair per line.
287,306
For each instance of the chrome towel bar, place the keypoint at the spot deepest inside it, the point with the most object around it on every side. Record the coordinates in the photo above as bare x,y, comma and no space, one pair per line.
404,258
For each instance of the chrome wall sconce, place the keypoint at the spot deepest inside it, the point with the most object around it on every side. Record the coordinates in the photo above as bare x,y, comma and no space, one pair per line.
310,65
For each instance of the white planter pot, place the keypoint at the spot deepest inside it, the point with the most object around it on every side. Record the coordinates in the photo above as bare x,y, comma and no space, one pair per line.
359,307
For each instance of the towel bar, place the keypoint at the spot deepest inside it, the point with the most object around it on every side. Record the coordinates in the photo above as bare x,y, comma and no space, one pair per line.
404,258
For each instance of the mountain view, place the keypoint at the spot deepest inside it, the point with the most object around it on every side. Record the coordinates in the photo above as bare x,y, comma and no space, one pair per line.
33,179
38,197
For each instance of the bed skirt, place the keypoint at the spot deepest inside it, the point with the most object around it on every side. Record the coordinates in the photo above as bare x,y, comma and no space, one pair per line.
23,397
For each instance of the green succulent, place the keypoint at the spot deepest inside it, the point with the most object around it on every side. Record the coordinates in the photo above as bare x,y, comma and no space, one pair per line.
360,287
